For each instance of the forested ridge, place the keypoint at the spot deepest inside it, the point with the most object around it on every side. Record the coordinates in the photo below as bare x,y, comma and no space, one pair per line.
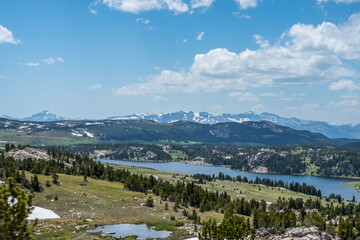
306,159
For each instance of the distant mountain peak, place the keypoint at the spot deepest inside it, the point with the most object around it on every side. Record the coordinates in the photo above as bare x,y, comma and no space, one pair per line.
43,116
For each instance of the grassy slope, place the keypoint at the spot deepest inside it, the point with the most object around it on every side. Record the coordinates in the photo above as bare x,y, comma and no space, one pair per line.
109,203
356,185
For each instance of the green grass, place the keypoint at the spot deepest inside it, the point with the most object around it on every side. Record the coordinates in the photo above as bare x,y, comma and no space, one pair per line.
106,202
177,154
101,201
356,185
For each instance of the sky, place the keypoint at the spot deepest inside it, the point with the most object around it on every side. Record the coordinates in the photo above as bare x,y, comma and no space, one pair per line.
102,58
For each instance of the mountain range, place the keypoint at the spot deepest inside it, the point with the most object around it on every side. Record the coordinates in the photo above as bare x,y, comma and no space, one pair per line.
109,131
330,130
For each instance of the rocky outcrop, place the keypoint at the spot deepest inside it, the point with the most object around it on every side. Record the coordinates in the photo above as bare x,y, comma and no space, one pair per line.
300,233
28,152
33,153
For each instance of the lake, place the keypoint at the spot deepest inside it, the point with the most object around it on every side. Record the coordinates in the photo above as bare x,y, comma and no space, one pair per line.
325,184
122,230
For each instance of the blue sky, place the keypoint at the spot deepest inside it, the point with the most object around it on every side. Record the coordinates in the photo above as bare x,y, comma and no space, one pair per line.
100,58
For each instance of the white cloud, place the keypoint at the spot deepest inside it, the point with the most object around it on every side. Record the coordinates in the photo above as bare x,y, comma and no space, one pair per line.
137,6
245,4
6,36
160,98
95,86
344,104
92,5
200,36
299,94
2,76
53,60
143,20
241,15
243,96
272,94
350,95
343,85
310,106
32,64
307,54
338,1
201,3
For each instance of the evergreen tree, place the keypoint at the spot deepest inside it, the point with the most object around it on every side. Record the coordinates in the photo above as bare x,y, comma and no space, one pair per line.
15,207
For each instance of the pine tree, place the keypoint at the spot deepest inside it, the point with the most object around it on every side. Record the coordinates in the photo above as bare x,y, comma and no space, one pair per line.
55,178
15,207
149,202
35,184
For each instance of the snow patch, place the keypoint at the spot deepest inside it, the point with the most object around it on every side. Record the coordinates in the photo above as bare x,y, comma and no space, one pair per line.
42,213
93,123
90,135
77,134
240,120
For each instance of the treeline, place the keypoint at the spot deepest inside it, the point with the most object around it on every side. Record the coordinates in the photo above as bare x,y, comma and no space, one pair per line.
326,161
293,186
285,214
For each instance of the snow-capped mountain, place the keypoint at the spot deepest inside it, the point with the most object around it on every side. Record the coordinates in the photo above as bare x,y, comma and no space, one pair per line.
330,130
44,116
333,131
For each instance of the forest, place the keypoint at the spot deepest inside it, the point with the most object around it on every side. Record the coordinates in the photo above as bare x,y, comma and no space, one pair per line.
307,159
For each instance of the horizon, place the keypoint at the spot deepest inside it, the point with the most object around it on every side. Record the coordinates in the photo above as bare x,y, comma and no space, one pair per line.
66,118
95,59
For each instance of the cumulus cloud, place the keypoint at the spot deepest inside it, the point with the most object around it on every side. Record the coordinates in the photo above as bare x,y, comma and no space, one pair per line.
32,64
241,15
272,94
307,54
200,36
345,104
143,20
343,85
95,86
243,96
245,4
137,6
53,60
6,36
338,1
201,3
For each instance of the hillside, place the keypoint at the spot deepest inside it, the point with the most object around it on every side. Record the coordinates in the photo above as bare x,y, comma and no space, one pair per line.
72,132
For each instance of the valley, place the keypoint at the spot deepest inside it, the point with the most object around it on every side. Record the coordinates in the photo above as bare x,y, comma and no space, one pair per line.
114,194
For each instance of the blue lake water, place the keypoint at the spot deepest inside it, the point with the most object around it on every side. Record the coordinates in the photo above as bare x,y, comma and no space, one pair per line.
123,230
326,185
